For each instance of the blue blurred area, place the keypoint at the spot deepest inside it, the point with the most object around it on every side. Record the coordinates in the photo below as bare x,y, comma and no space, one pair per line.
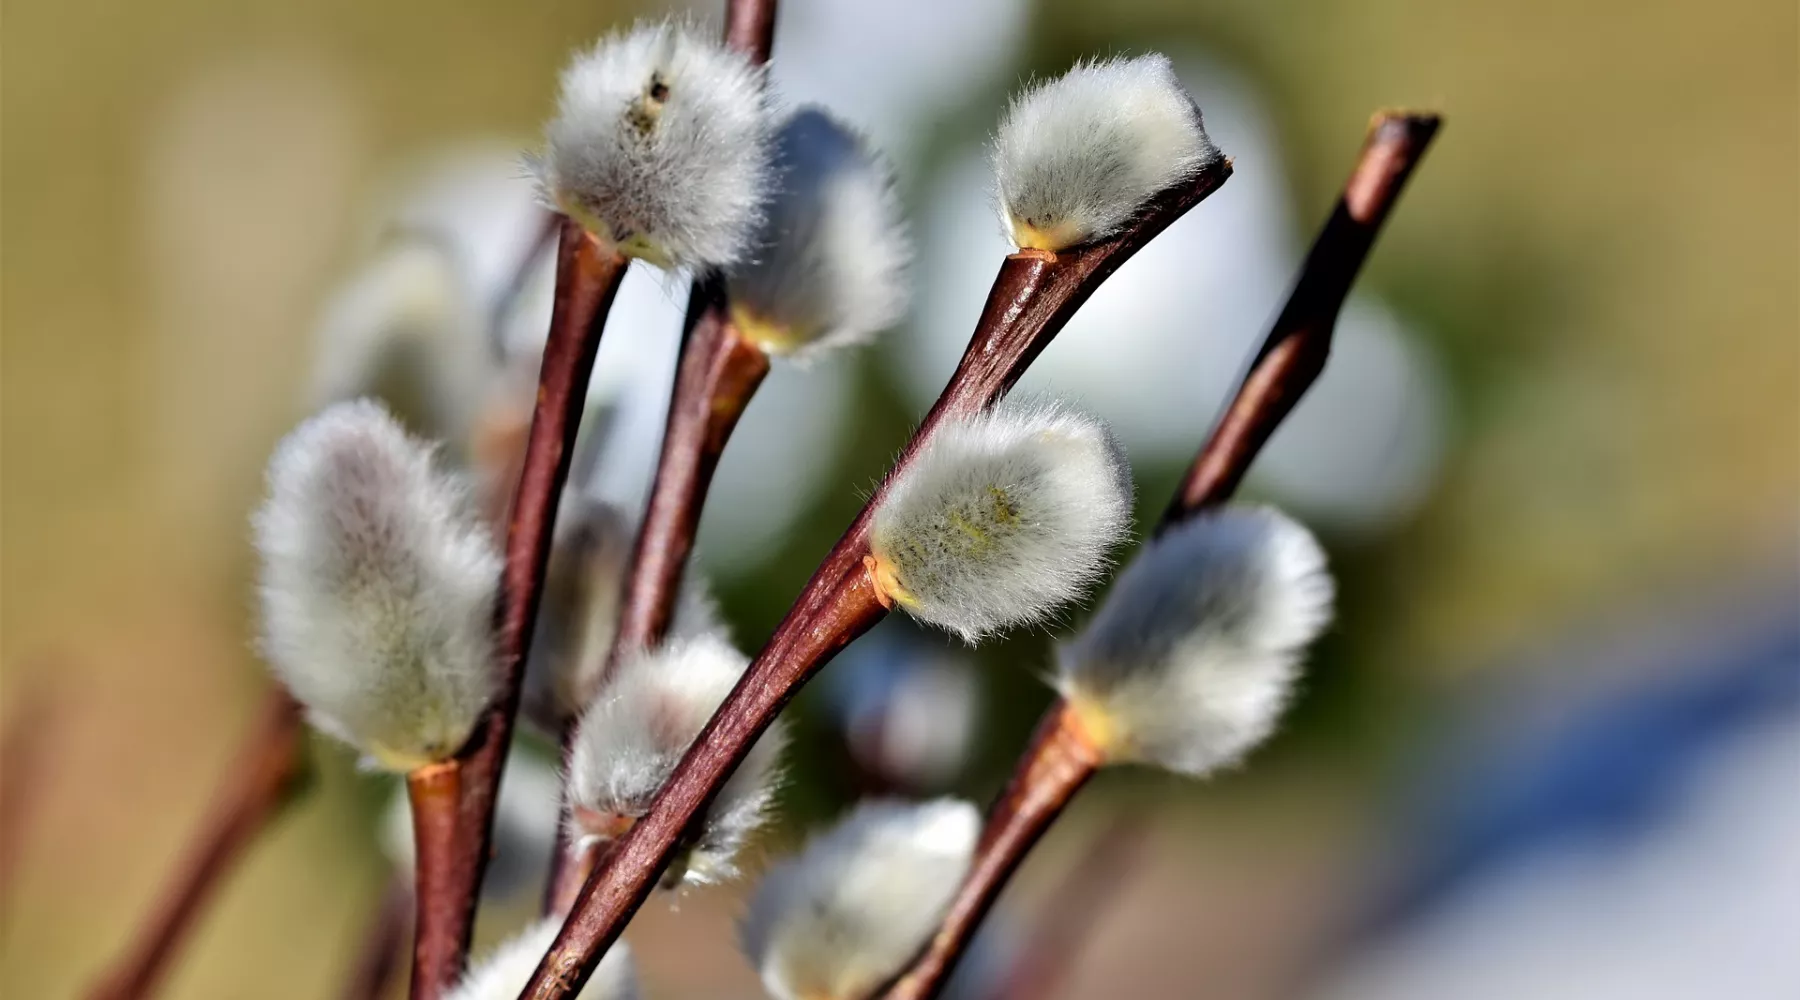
1606,783
1611,767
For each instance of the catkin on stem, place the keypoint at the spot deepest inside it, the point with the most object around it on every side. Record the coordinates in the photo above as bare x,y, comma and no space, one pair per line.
636,730
1077,158
660,146
1192,656
377,585
828,267
1001,518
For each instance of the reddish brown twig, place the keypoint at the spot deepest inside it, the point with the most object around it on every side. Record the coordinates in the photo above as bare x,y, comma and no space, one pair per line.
1059,761
433,792
719,373
269,769
1294,352
382,942
1290,359
587,277
1032,299
1073,908
750,27
22,744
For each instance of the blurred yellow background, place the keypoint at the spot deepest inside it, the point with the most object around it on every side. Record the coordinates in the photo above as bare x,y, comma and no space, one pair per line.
1607,238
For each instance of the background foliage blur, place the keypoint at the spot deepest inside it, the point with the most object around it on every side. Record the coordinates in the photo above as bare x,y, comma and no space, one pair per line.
1599,261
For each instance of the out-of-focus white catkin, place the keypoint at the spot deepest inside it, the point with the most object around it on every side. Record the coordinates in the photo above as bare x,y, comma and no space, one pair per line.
1078,157
377,587
1191,658
407,328
847,913
828,268
635,732
660,145
1002,517
583,591
504,973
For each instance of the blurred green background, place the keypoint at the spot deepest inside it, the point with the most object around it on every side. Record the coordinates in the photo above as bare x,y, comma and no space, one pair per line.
1603,247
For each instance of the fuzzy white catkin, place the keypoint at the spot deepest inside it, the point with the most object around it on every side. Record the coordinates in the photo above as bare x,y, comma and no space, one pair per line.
504,973
1191,658
635,732
1076,158
1001,517
377,586
828,268
847,913
660,145
583,591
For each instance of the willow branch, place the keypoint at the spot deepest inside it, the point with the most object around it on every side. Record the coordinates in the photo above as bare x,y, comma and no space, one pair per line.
587,278
1293,354
380,945
1290,359
750,27
270,768
720,372
718,375
1034,296
1060,759
433,792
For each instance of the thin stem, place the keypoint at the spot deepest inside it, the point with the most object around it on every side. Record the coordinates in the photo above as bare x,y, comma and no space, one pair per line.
1294,352
1060,760
382,943
497,441
1073,908
23,742
750,27
437,959
270,769
1290,359
587,278
621,883
719,373
1034,296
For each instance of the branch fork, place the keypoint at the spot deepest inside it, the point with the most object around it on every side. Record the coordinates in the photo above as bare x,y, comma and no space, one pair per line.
1034,296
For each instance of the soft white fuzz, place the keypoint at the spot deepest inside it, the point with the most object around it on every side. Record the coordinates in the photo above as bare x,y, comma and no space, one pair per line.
1078,157
829,265
1191,658
504,972
378,582
660,145
407,329
636,731
583,591
1002,517
847,913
